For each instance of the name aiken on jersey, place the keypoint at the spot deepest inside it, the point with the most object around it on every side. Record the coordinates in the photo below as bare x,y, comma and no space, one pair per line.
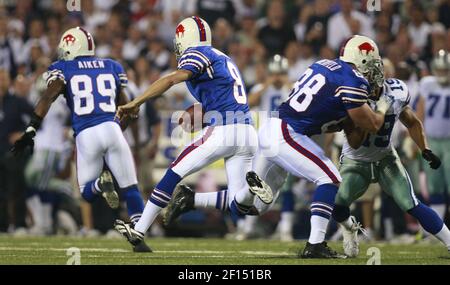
91,64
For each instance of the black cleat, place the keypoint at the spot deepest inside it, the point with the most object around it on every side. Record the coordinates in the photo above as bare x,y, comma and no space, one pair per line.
182,201
106,185
142,247
259,188
320,250
126,229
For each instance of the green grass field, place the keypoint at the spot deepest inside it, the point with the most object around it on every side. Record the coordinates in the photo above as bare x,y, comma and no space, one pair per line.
182,251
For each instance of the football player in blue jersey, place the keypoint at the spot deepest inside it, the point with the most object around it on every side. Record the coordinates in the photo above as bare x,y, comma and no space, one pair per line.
215,81
324,99
92,87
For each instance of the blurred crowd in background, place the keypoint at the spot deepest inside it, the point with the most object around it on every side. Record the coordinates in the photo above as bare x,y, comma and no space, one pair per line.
139,34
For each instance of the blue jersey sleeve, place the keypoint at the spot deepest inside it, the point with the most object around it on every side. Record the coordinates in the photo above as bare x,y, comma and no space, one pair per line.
353,92
55,71
196,62
120,72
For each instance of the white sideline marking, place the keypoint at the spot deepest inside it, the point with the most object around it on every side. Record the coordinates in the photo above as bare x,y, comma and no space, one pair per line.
216,253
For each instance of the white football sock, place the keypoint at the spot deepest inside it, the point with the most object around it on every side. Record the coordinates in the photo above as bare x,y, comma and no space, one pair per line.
444,236
47,209
35,207
250,224
150,213
286,222
244,197
205,200
318,229
439,209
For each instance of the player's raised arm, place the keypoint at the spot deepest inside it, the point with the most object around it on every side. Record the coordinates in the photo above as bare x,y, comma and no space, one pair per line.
417,133
158,88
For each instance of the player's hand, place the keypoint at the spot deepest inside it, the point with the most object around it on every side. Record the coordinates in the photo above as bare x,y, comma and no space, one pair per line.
129,110
26,140
433,160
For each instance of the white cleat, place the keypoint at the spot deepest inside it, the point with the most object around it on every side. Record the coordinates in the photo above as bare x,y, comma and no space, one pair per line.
259,188
350,238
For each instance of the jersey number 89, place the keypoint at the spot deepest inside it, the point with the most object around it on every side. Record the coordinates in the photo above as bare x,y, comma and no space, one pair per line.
83,97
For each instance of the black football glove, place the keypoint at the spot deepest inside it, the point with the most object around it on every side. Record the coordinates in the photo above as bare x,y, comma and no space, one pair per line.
433,160
27,139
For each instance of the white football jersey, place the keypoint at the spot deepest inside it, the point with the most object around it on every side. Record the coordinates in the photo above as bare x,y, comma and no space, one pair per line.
272,98
51,135
376,146
437,107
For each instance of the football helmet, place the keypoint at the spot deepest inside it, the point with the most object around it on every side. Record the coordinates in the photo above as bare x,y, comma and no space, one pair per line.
278,65
191,32
363,53
440,67
76,42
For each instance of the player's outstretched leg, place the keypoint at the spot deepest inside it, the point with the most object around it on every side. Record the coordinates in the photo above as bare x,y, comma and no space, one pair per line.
431,222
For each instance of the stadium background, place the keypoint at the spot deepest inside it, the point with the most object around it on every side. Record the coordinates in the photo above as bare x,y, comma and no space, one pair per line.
139,34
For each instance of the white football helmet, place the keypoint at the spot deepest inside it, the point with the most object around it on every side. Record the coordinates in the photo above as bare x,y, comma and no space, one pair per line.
191,32
363,53
76,42
440,67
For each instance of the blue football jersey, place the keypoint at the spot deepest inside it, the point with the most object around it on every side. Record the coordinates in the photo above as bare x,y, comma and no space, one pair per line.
217,84
92,86
322,96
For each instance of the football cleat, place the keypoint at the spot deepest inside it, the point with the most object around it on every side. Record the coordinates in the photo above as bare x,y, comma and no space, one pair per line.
106,185
259,188
126,229
320,250
182,201
142,247
350,238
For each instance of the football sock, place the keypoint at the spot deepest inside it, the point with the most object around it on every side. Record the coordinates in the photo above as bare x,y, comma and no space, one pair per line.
286,222
321,210
439,209
158,200
431,222
90,190
218,200
250,224
287,201
135,204
437,203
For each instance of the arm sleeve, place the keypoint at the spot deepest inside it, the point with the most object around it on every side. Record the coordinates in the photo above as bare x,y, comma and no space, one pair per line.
123,78
353,93
55,71
196,62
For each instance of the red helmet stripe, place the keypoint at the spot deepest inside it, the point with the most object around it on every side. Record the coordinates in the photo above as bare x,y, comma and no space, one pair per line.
88,37
201,28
